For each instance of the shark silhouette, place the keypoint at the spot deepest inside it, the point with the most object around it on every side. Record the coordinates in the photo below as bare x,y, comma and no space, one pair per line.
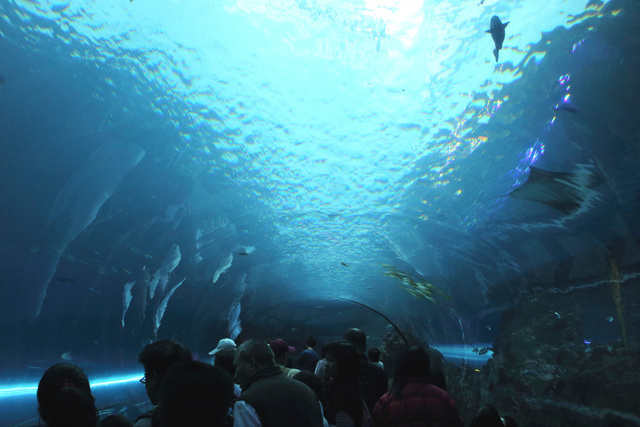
496,29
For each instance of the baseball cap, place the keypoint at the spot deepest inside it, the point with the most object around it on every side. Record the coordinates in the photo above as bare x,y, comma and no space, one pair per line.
223,344
280,347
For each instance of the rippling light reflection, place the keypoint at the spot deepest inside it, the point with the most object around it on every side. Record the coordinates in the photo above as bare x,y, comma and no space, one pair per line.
316,106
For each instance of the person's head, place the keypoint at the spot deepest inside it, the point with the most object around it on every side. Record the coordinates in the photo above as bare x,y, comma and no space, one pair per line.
487,416
310,342
412,362
195,394
223,344
115,421
252,356
326,347
342,362
356,338
281,351
374,355
157,358
65,399
224,360
312,381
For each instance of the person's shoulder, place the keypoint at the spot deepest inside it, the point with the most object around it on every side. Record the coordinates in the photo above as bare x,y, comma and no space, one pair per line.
376,368
434,392
145,420
290,372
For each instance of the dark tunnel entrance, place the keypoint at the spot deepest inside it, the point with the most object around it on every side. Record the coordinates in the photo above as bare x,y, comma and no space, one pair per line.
323,317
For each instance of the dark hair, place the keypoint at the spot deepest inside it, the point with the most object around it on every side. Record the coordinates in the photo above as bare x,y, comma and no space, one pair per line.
65,399
258,350
224,360
487,416
356,338
194,393
312,381
347,361
413,362
310,341
343,393
116,420
374,354
438,379
325,348
160,355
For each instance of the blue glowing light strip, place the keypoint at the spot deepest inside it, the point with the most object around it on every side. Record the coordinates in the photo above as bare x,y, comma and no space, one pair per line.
460,352
28,389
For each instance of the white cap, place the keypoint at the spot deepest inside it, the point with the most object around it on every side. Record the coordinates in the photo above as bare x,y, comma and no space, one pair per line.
223,344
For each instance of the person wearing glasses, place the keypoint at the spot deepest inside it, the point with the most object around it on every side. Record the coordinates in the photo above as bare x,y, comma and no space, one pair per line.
156,358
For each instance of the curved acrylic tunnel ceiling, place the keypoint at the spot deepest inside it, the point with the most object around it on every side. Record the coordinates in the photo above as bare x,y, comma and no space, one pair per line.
279,181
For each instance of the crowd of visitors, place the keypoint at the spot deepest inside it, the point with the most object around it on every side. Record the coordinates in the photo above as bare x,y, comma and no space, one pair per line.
256,385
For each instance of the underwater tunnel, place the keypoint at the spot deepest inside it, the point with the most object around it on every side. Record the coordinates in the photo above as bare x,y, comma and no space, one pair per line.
276,169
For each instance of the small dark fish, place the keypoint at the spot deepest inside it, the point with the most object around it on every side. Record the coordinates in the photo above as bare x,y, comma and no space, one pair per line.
496,29
1,80
566,107
483,351
243,253
481,3
344,264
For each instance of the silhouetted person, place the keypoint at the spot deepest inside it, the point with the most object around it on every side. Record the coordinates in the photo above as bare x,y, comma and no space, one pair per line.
320,366
487,416
344,405
374,356
437,378
157,358
223,344
195,394
281,351
413,399
224,359
371,377
312,381
269,398
316,384
65,399
309,358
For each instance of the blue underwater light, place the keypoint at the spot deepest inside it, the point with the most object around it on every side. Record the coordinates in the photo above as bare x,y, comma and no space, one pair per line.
476,354
30,389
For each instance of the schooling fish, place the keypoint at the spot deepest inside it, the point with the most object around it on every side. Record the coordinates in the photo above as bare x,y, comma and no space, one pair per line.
496,29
